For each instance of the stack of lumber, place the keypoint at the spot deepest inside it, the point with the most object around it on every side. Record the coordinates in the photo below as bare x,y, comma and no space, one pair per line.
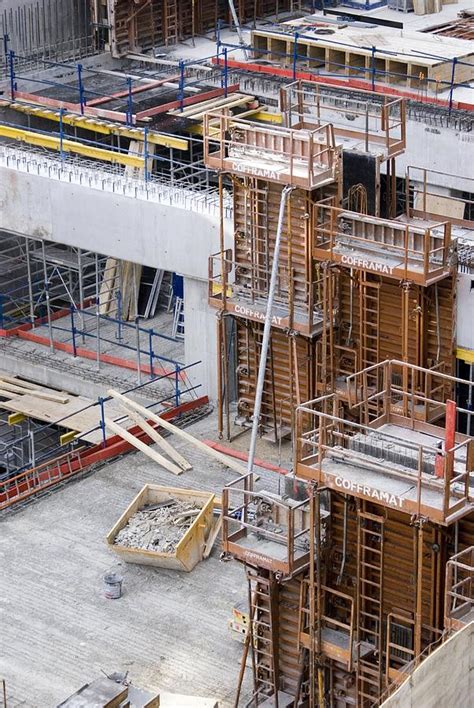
197,110
57,407
124,276
12,387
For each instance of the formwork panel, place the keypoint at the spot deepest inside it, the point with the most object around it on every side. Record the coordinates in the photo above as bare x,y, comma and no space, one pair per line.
284,376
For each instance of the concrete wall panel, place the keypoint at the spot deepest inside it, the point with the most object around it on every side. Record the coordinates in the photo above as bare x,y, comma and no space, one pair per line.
444,679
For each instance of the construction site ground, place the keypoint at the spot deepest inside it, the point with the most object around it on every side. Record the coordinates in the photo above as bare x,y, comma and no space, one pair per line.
168,630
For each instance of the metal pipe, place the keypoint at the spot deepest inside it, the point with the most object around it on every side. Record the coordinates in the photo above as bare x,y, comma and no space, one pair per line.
266,330
139,367
344,543
438,331
469,400
30,282
238,28
98,336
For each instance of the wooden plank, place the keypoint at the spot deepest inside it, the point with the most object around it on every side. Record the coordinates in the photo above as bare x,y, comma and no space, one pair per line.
159,440
108,285
135,412
229,462
139,445
212,538
57,397
70,415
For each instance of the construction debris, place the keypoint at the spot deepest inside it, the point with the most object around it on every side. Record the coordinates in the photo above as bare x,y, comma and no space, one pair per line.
166,527
158,527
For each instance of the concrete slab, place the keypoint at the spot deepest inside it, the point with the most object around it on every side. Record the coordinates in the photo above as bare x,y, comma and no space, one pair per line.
169,629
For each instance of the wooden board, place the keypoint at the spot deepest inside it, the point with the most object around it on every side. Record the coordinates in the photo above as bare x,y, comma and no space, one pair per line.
70,415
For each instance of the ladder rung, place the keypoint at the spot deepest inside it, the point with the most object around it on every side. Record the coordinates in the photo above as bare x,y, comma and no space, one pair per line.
370,549
371,517
259,623
369,614
370,582
371,599
260,652
371,531
369,631
370,669
370,565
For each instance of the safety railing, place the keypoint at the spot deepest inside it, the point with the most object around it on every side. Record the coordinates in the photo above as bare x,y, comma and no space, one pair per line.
45,465
301,158
398,387
242,288
378,127
263,529
335,627
388,247
459,597
423,199
359,67
333,450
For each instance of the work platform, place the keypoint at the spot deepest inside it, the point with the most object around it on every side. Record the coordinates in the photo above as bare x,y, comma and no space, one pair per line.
377,124
397,460
300,158
415,249
264,529
242,289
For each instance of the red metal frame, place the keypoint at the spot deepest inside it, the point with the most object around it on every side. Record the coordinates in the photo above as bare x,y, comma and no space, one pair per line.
51,473
358,84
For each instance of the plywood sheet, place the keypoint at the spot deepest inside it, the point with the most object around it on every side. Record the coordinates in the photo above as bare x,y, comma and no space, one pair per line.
70,415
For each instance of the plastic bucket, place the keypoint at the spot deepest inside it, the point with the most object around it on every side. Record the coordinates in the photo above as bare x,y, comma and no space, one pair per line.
112,585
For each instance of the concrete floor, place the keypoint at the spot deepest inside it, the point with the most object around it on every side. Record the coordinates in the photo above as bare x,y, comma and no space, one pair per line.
169,630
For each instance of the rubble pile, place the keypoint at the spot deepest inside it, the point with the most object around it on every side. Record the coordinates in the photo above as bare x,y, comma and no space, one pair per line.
158,527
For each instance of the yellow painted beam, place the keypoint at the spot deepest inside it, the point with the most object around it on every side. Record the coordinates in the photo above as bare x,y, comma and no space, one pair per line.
53,143
267,117
68,437
100,126
466,355
260,115
15,418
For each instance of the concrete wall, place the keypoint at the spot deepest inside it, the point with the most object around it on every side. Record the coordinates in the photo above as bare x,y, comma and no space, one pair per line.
444,679
465,308
152,234
144,232
200,342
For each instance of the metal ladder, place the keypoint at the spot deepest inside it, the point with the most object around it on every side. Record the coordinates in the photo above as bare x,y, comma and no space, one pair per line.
370,549
170,21
260,243
369,301
178,319
262,636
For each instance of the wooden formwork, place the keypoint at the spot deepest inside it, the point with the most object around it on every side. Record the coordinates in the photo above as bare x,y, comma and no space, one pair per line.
346,53
289,375
144,24
379,318
414,560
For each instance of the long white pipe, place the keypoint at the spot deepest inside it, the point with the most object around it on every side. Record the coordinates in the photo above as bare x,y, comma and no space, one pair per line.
266,332
238,28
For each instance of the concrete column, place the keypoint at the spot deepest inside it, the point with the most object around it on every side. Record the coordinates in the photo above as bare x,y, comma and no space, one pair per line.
200,336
